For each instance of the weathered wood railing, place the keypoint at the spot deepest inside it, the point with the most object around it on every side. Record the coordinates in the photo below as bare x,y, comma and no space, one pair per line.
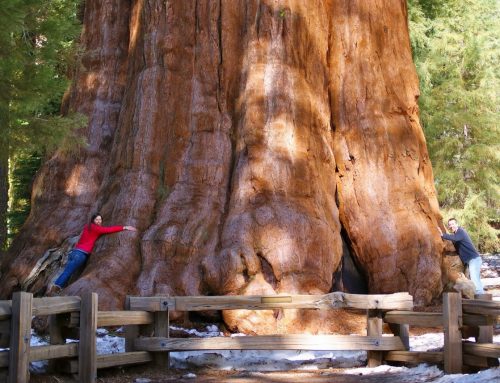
374,342
461,318
148,316
66,314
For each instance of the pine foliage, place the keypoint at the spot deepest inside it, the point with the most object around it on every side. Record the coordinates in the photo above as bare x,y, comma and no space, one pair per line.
23,167
456,51
38,46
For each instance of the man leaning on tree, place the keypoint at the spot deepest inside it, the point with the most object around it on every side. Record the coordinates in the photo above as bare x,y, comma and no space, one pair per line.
466,251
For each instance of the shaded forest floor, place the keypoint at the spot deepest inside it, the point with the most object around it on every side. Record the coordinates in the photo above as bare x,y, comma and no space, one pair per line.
149,375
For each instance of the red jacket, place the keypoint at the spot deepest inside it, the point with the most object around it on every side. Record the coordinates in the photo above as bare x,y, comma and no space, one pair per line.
91,233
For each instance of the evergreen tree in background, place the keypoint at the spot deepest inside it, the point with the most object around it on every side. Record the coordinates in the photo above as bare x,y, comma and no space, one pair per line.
22,170
456,51
37,49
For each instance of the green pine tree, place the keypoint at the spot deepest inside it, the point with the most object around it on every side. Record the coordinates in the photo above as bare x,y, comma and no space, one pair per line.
37,42
456,52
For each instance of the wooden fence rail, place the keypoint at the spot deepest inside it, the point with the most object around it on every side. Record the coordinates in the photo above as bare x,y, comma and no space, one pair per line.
272,342
146,322
398,301
461,318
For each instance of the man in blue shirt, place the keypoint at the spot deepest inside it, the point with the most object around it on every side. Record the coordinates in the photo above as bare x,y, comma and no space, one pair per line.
466,251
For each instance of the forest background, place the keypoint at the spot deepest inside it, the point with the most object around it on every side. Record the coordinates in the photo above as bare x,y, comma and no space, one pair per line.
455,44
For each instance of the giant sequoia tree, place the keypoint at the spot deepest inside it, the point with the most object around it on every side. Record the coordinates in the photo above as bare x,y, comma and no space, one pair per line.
250,141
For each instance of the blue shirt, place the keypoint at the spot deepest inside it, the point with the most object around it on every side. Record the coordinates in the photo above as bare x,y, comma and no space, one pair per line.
463,244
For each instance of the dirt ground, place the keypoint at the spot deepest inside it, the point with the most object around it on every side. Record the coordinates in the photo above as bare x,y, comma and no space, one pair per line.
150,375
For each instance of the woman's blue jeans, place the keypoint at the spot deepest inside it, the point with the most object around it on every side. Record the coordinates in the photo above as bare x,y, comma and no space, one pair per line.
75,260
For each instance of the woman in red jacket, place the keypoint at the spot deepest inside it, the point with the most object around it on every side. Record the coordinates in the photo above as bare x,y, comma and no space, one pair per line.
78,256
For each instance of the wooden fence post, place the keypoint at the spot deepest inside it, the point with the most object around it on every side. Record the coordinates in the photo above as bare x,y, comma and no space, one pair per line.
55,337
20,337
403,331
486,332
131,331
161,329
374,328
452,321
87,363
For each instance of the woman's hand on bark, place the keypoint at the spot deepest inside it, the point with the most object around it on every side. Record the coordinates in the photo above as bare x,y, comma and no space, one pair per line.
129,228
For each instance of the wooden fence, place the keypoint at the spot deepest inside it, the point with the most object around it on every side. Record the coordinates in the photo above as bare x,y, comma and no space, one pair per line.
147,337
461,318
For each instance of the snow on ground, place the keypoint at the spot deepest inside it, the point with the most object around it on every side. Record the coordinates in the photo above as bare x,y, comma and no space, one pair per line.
429,374
427,342
352,362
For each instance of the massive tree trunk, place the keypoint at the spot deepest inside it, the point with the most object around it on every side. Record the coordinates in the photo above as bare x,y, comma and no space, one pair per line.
242,138
386,192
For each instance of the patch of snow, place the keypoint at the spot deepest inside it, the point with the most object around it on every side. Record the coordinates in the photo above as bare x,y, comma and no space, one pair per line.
38,366
486,376
212,331
421,373
427,342
429,374
490,282
109,344
262,360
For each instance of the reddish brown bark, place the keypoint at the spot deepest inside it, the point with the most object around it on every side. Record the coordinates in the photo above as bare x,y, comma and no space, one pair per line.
240,137
387,199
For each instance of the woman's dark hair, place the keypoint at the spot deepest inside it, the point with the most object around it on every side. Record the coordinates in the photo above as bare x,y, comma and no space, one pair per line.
94,216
